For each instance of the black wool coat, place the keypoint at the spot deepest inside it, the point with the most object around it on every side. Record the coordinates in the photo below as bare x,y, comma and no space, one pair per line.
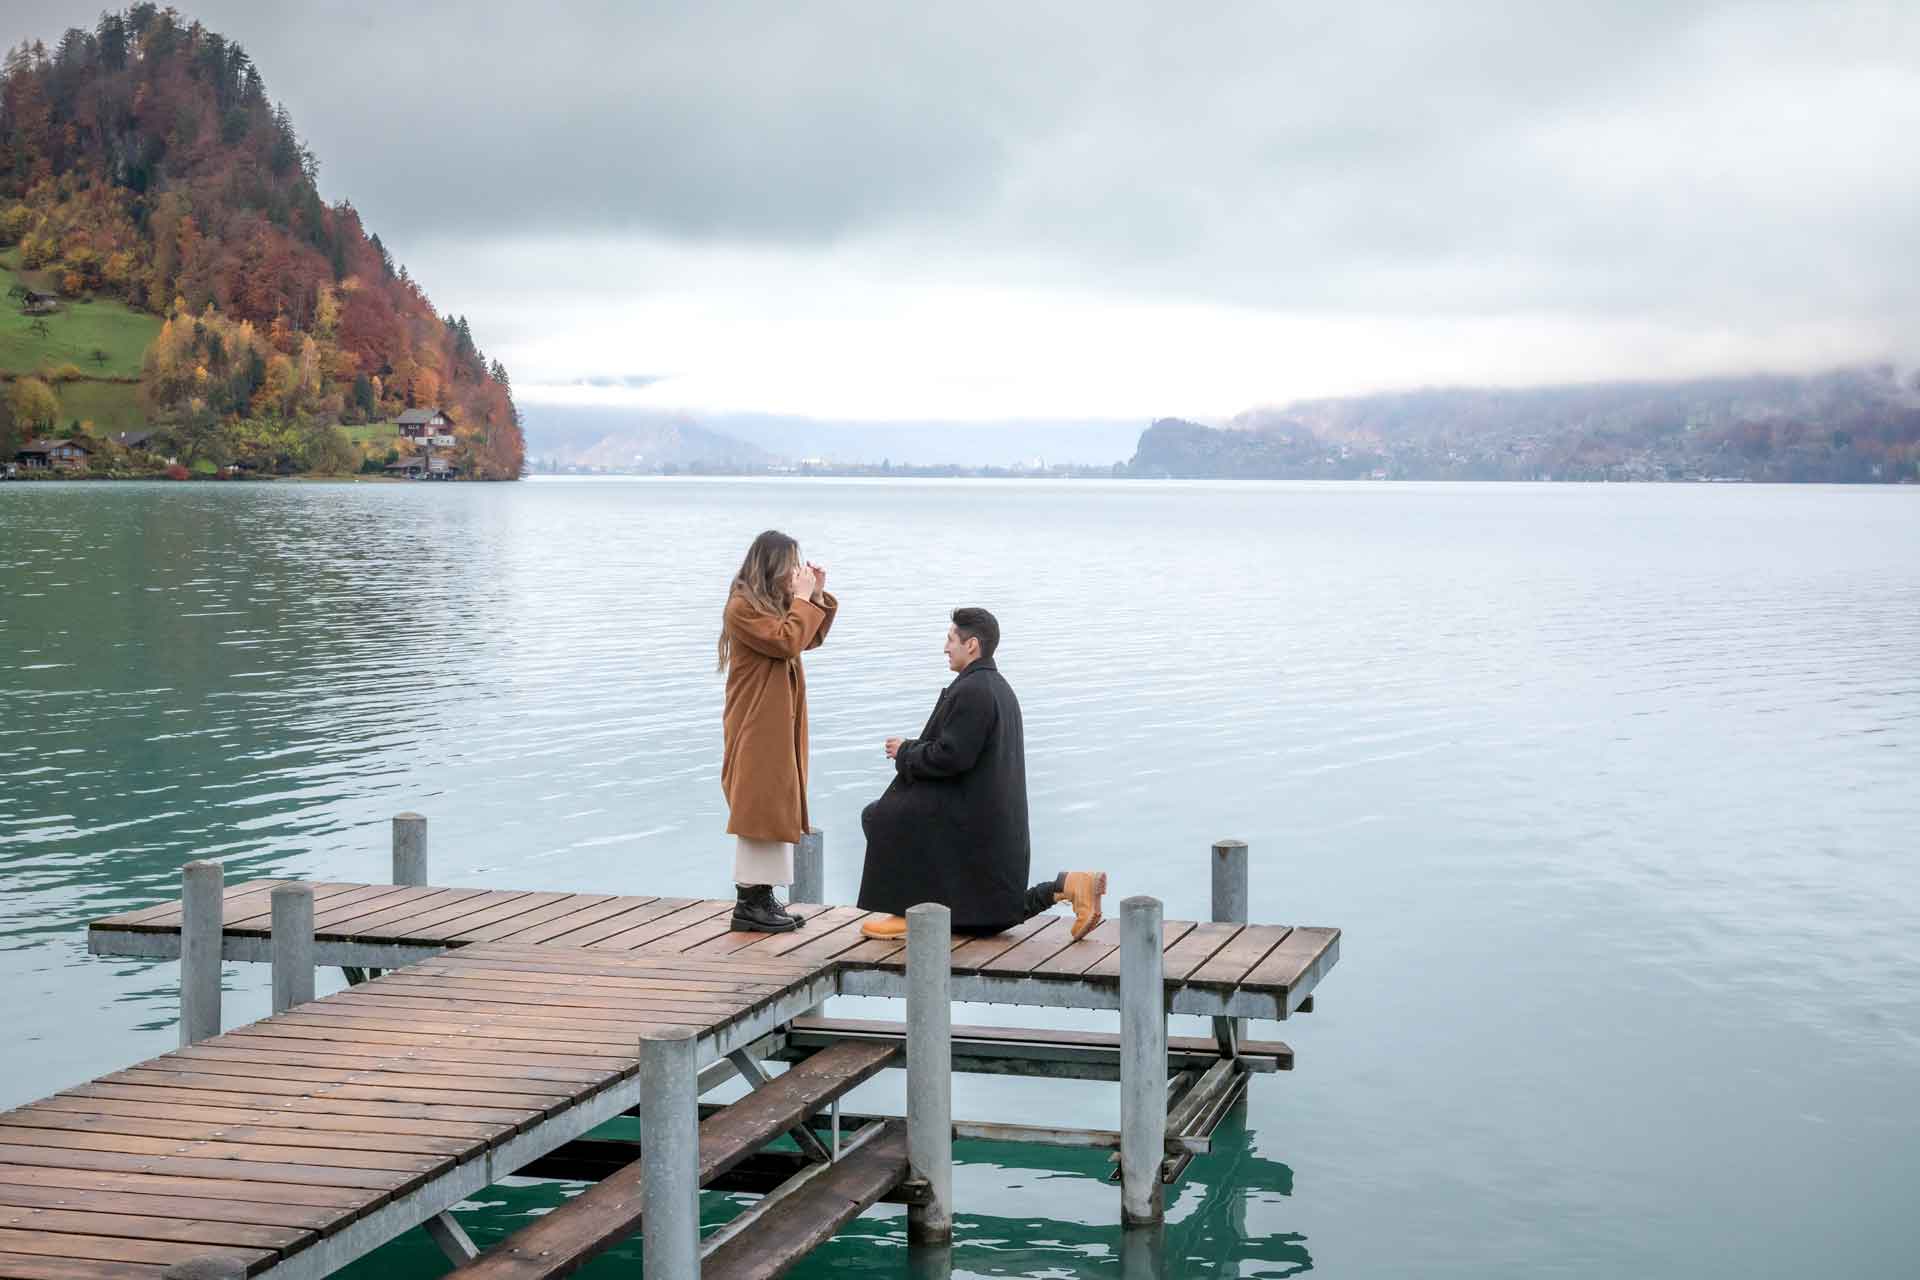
952,826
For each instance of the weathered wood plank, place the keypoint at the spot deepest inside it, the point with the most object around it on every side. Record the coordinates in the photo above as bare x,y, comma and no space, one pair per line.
1035,948
1200,945
164,1091
22,1266
187,1129
570,907
1283,966
332,1159
1072,960
790,1228
370,1182
609,1211
353,1126
973,954
53,1244
300,1221
179,1229
229,1186
636,917
1235,960
1108,966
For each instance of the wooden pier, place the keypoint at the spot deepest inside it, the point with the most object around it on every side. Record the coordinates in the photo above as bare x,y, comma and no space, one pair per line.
503,1027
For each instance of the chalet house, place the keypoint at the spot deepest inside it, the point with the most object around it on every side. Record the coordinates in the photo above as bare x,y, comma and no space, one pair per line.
53,455
133,439
427,426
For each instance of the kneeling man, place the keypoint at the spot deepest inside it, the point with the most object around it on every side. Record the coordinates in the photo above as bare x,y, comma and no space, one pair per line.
952,826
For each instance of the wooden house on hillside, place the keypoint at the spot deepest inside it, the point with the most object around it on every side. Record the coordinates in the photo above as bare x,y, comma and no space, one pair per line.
53,455
39,302
427,426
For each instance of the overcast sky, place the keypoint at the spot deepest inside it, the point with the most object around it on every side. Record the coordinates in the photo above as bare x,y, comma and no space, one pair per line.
871,210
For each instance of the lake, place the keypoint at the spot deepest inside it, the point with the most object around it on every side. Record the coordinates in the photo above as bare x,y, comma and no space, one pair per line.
1612,789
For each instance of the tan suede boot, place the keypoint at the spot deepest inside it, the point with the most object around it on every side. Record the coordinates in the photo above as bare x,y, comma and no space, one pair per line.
1083,889
885,928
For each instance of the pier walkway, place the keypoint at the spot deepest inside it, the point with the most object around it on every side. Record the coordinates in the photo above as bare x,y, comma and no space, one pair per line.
1218,969
487,1033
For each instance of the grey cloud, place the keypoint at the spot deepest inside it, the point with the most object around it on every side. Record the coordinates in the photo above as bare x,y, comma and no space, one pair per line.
1506,155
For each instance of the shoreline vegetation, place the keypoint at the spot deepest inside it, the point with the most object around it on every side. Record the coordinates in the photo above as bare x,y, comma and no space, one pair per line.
170,271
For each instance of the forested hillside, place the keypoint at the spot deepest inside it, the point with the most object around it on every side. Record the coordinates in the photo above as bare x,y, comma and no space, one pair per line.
143,165
1846,426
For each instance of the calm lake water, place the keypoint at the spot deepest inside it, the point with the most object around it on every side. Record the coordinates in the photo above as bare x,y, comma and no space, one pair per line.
1613,790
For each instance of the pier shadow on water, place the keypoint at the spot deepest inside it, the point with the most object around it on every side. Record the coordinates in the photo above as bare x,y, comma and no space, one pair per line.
1206,1234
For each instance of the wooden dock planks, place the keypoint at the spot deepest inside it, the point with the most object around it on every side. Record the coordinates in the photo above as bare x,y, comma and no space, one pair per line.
1220,960
252,1145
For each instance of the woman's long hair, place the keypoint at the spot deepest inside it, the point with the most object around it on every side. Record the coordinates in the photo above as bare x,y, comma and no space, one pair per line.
762,580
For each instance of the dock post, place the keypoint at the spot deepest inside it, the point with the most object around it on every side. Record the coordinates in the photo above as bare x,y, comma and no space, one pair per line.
809,868
292,945
1143,1061
930,1071
409,848
1230,907
670,1153
201,910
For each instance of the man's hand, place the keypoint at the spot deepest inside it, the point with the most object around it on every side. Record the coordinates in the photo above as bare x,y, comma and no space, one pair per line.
819,581
893,747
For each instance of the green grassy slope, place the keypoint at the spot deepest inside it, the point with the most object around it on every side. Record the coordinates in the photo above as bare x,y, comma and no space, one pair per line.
73,334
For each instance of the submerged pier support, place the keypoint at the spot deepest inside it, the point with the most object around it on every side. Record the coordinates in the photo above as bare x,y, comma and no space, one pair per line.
670,1153
930,1072
1143,1061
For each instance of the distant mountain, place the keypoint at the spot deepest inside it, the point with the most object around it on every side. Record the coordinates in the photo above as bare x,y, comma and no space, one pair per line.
628,440
567,433
1850,425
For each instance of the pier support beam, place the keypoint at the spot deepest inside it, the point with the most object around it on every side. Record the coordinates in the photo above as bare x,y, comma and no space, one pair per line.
1230,907
409,848
809,868
1143,1061
930,1072
292,945
202,890
670,1153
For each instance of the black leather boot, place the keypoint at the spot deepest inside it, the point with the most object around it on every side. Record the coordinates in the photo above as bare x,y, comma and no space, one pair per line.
757,912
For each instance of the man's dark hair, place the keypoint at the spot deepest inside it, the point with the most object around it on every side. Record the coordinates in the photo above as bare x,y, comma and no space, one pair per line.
978,624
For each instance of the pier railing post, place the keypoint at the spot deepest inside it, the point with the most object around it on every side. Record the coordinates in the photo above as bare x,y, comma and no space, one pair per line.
1143,1061
810,868
670,1153
292,945
202,886
409,849
930,1072
1230,907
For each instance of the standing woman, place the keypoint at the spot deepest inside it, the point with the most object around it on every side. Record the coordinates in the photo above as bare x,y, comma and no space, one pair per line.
777,608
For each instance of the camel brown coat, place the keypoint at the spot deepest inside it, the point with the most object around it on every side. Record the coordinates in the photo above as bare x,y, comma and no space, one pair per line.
763,763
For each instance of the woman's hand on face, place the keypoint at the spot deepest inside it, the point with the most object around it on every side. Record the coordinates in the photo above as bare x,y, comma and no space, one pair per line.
800,582
819,579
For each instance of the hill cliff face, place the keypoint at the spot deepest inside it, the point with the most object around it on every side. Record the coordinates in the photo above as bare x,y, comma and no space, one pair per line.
143,161
1858,425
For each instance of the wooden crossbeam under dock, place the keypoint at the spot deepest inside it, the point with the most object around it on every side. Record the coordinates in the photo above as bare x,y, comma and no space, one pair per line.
1216,969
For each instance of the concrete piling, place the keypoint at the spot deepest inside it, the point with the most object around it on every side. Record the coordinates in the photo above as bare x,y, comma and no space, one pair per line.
1143,1061
292,945
409,848
670,1153
809,868
930,1071
202,893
